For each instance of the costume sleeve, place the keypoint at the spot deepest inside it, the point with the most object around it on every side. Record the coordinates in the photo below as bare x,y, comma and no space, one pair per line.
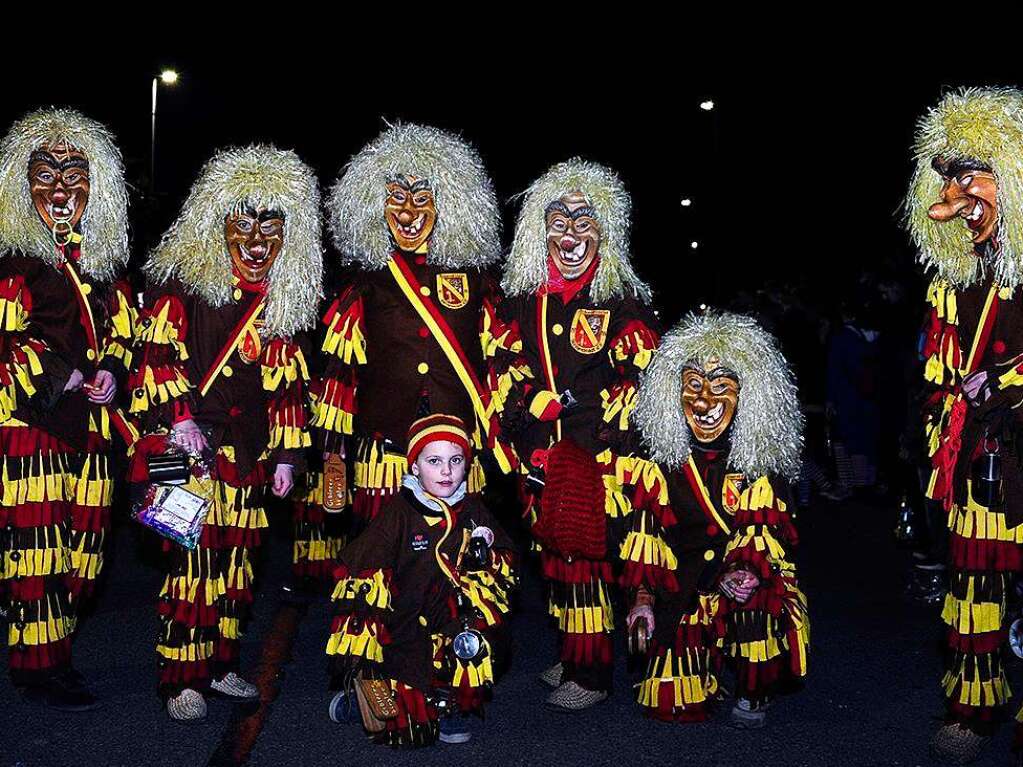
29,371
161,394
497,338
285,378
1005,379
629,353
508,374
119,338
489,589
332,395
362,597
762,542
646,556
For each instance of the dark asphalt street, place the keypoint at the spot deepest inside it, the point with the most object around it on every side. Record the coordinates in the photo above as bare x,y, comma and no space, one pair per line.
871,698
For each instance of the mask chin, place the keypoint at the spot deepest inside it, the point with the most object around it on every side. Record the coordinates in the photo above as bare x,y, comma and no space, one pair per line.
721,443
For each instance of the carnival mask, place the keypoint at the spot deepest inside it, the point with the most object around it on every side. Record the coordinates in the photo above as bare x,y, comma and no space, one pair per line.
254,240
411,211
710,395
969,192
58,180
573,234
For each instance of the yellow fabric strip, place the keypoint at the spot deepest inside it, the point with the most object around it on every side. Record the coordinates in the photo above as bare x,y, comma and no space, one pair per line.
992,294
545,355
708,504
540,403
229,349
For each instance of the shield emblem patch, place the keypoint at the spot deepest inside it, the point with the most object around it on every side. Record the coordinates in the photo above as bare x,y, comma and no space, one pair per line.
453,289
589,330
731,492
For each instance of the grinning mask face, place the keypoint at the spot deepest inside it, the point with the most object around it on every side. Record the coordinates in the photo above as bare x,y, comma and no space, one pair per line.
573,234
710,396
58,180
969,193
254,240
411,211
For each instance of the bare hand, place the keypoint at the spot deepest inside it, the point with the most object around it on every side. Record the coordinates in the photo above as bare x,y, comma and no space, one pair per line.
739,585
974,386
641,611
102,389
283,480
188,436
74,383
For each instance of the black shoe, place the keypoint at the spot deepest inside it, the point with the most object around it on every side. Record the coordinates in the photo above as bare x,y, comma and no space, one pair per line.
63,692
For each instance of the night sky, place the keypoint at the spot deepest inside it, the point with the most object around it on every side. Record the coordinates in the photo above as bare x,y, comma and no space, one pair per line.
794,183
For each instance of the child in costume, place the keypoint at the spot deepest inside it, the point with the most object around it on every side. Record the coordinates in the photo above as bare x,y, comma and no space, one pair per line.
421,589
708,561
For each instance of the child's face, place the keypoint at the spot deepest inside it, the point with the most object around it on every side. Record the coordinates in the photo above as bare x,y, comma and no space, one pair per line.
440,468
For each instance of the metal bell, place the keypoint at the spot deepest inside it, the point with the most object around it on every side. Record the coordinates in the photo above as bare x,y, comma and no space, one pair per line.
1016,637
986,477
907,529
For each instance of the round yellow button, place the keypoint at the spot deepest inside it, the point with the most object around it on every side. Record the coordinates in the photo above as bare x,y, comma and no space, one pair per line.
424,291
227,371
708,555
557,328
90,354
86,288
423,368
237,293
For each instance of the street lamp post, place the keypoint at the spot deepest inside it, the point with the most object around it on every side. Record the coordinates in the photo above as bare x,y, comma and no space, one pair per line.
167,77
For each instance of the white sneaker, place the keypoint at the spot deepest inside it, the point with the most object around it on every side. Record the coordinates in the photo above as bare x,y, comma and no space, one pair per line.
552,676
746,716
573,697
188,706
234,687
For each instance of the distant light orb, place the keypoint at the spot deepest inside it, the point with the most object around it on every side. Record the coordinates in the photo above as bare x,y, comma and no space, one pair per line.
686,202
168,77
694,245
706,106
703,307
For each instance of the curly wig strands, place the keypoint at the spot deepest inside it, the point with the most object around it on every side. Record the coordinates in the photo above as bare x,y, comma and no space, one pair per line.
194,251
526,269
767,433
104,224
468,228
983,125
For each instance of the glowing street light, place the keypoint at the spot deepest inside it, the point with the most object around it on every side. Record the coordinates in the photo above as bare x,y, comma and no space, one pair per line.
167,77
686,202
706,106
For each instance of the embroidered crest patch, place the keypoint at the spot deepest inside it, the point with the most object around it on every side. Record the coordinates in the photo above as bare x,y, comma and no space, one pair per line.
731,492
589,330
420,542
453,289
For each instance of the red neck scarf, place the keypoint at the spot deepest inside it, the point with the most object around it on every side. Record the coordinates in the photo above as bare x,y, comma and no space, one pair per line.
557,284
249,287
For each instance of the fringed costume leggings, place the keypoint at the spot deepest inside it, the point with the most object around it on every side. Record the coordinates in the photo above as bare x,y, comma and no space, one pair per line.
54,516
764,641
580,602
317,539
207,593
984,555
